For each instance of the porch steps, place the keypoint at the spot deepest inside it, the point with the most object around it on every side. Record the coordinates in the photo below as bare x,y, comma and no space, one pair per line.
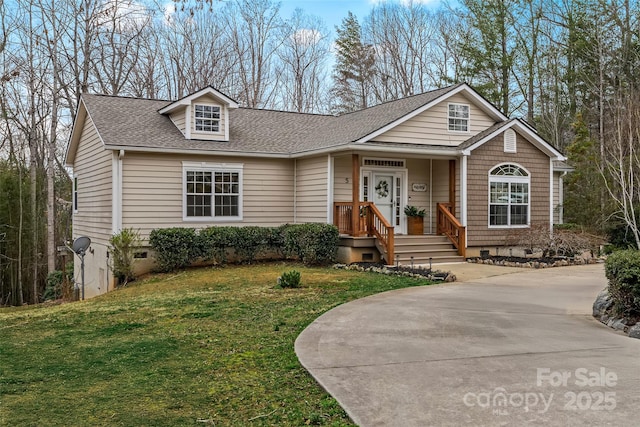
421,248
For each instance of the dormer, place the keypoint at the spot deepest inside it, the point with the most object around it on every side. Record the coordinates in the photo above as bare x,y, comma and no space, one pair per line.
202,115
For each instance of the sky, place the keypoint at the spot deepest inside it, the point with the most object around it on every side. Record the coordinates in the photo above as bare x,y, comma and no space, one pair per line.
333,11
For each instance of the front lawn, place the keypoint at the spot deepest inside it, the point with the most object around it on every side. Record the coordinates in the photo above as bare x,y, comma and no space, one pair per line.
203,347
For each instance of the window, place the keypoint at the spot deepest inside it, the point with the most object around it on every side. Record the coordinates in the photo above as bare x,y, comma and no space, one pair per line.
458,117
509,196
75,194
212,192
207,118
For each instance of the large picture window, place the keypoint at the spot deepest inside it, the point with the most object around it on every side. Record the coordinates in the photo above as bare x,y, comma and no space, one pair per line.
212,193
509,195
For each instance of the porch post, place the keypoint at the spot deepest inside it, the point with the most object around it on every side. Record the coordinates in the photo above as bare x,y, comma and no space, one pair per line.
355,194
452,186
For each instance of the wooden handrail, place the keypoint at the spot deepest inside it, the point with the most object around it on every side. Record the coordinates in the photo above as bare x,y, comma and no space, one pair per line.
372,223
449,225
383,231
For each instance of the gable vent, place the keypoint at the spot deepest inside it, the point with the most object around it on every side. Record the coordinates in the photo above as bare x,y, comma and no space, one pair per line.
509,141
386,163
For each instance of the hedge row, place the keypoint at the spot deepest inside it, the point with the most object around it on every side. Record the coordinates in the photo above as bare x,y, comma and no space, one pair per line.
623,271
176,248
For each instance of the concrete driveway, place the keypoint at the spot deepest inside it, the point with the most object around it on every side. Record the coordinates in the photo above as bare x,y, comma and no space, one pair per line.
516,349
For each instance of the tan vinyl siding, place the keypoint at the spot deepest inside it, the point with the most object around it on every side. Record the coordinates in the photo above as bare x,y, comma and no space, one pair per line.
93,168
342,179
432,125
152,193
440,187
311,191
480,163
179,119
208,100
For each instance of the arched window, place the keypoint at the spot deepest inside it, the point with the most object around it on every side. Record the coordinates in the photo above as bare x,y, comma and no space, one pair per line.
509,195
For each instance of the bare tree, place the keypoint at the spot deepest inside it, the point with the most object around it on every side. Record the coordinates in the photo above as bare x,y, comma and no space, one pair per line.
403,37
303,54
121,24
252,26
620,167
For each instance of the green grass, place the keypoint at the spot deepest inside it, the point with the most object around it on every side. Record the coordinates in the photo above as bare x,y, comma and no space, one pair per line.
203,347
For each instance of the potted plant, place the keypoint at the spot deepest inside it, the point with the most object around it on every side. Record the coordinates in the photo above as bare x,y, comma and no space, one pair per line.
415,220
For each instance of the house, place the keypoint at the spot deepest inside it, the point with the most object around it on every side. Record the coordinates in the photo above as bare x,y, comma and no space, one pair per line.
203,160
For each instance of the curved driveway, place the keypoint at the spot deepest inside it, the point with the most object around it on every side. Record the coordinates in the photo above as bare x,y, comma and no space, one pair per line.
518,349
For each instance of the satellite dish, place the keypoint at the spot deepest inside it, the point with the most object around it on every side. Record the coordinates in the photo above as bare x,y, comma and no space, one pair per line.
81,244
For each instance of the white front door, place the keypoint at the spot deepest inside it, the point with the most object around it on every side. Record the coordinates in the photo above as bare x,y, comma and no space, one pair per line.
383,196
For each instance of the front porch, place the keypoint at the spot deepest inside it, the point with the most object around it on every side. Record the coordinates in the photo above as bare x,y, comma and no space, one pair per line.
368,230
370,192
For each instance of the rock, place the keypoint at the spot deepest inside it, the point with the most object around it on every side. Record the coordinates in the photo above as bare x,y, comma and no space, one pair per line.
619,325
634,331
450,278
602,303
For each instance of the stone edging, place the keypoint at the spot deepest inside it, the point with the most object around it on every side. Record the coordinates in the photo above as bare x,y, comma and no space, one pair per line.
602,310
533,263
443,276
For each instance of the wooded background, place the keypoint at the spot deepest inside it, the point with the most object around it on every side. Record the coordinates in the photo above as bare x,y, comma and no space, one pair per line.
569,67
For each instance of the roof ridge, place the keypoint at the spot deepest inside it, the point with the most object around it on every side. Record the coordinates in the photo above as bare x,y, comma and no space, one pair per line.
106,95
443,89
272,110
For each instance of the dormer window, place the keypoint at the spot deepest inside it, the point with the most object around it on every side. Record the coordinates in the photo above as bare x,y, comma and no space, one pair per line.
207,118
458,117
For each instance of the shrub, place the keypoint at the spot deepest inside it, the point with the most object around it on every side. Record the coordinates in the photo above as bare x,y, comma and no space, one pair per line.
53,290
289,279
313,244
621,237
623,271
565,241
59,284
123,247
215,243
175,248
249,242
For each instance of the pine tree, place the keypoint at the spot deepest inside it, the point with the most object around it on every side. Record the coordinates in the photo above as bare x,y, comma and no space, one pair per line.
354,69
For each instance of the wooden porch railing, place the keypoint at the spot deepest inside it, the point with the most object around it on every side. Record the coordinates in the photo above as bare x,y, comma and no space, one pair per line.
371,223
449,226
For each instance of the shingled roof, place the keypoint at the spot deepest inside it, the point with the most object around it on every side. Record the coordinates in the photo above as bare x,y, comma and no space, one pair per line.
130,123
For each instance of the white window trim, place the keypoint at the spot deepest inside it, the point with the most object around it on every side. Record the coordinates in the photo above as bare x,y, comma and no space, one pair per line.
212,167
220,130
509,179
468,118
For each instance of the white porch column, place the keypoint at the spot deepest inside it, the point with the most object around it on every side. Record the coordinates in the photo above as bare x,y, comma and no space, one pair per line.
330,179
463,194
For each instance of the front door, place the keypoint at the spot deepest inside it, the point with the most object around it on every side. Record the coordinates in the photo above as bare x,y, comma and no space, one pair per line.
383,195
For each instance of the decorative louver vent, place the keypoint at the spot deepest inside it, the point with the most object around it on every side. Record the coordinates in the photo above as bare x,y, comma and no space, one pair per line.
509,141
387,163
